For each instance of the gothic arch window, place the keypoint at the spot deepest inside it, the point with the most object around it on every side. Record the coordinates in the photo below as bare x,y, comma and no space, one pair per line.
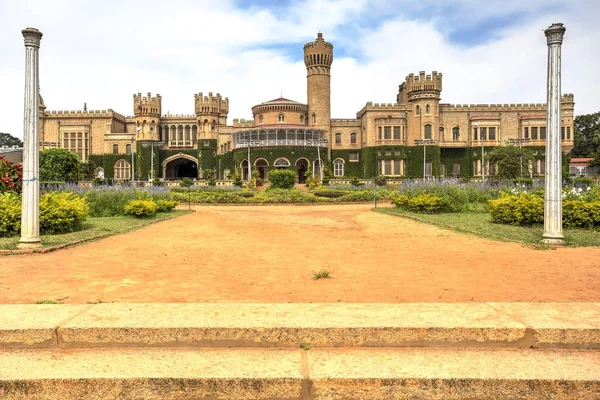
314,118
122,169
194,133
427,109
338,138
418,110
455,133
428,131
127,149
160,138
115,148
260,119
338,167
302,118
281,118
353,138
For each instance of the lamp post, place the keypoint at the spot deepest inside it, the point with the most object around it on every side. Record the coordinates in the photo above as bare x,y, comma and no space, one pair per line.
520,141
476,125
152,145
424,143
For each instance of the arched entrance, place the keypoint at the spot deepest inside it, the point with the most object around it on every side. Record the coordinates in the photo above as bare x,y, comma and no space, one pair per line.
180,166
244,167
262,167
301,167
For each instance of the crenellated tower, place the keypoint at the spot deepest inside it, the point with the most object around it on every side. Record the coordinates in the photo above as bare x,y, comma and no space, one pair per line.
147,111
211,112
423,93
318,56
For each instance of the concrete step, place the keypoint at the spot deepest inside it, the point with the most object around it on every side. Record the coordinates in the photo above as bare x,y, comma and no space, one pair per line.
351,373
507,325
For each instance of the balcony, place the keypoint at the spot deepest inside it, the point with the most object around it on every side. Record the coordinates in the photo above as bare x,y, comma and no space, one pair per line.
273,137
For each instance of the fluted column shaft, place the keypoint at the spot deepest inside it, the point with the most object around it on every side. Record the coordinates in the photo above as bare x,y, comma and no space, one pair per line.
30,214
553,229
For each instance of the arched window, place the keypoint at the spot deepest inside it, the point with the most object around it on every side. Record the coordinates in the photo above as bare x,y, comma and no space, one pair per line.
260,119
338,138
302,118
338,167
353,138
194,133
427,109
160,138
418,110
428,131
127,149
115,149
455,133
180,133
122,169
314,118
281,117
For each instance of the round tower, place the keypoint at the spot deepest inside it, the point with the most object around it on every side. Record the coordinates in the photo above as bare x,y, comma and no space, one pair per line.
147,111
318,56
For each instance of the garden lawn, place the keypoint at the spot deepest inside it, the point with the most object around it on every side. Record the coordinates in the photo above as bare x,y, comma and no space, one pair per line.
94,227
480,224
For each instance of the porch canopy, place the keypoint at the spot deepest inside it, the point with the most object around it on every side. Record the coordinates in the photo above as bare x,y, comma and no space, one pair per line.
279,136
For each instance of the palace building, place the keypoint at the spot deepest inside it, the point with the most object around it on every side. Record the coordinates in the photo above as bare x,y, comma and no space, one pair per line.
415,135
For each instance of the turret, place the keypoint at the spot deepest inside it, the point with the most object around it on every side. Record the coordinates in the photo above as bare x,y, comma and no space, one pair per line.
423,92
147,111
318,57
211,112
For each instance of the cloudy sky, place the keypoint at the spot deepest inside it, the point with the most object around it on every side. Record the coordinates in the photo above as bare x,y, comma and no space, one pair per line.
101,52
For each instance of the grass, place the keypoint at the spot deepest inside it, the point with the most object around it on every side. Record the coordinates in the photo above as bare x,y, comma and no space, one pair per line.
94,227
322,274
47,302
480,224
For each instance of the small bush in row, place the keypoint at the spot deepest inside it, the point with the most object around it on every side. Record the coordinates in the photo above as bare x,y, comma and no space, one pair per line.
141,208
163,205
424,203
528,209
60,212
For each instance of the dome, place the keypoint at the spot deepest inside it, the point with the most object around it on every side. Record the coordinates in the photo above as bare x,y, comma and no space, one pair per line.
280,111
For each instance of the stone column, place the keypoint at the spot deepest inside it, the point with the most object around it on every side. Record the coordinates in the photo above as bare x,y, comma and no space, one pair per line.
30,215
553,230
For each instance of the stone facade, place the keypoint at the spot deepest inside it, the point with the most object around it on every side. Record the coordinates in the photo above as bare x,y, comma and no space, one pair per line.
384,138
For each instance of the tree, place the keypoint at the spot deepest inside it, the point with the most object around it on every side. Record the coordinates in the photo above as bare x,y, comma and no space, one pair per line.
6,139
587,135
59,165
512,161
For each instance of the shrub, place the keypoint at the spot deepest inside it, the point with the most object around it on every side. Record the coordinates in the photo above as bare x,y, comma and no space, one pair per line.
237,181
108,201
10,214
282,179
332,194
163,205
400,201
212,182
524,209
581,214
59,165
11,176
428,204
62,212
186,182
381,180
141,208
356,182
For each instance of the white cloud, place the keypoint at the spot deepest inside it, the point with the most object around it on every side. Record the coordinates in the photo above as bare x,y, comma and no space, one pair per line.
103,52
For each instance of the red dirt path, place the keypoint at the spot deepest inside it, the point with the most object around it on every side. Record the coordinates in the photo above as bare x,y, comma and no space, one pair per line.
268,254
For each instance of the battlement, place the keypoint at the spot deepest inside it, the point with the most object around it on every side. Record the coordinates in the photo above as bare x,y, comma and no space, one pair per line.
211,104
85,114
318,53
370,106
147,105
243,123
345,122
494,107
420,86
568,98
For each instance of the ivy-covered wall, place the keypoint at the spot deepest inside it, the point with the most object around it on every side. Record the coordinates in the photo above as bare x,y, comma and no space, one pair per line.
207,154
414,160
144,160
225,162
463,157
107,162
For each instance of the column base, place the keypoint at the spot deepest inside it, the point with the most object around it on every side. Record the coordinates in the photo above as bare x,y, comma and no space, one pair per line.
548,238
32,243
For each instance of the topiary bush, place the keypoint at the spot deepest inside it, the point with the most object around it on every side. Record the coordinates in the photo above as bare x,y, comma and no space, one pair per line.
62,212
163,205
10,214
524,209
282,179
428,204
141,208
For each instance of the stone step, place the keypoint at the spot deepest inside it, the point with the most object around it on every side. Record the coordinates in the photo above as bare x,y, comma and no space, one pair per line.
342,373
508,325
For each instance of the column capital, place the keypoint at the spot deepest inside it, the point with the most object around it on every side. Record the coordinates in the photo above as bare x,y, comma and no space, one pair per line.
32,37
554,34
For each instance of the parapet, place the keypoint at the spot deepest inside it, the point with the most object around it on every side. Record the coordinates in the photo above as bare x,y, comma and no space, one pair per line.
318,53
211,104
243,123
85,114
147,105
416,86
